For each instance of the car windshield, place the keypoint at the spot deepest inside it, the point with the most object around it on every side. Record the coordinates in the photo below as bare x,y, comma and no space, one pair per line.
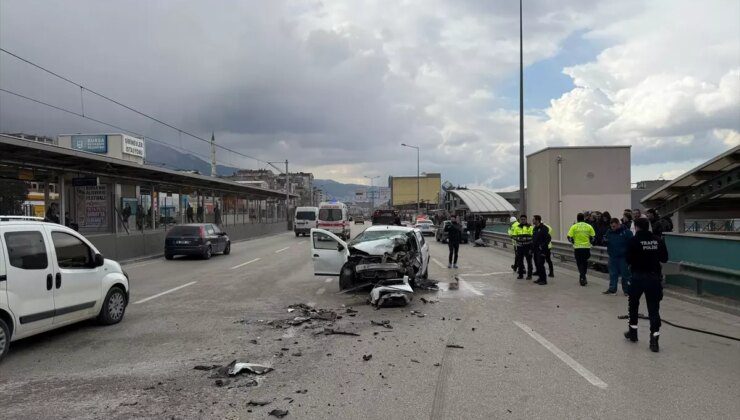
184,231
375,235
305,215
330,215
425,222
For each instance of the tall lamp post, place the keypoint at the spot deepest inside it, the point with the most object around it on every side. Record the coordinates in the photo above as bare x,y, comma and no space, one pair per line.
418,201
522,195
372,196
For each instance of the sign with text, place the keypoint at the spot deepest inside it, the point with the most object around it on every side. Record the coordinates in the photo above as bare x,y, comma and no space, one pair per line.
97,143
133,146
88,181
92,206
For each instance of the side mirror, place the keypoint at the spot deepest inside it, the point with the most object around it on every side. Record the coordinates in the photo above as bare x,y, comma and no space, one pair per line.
340,247
99,260
222,234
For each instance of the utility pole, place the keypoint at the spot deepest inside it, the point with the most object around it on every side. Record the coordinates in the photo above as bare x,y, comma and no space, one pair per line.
213,154
418,177
522,195
287,188
372,195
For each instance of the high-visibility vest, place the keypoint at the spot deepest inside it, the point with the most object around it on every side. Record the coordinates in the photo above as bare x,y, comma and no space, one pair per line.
549,230
523,234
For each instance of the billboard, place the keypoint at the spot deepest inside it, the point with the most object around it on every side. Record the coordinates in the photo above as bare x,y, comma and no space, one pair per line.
404,189
133,146
97,143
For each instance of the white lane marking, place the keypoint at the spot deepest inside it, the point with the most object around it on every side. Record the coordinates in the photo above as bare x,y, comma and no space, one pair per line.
165,292
587,374
137,265
321,291
328,280
281,250
243,264
436,261
486,274
465,285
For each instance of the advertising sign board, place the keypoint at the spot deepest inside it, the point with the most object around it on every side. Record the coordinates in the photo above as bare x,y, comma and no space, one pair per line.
133,146
97,143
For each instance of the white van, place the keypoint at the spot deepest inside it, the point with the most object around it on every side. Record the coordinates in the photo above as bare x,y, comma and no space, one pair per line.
334,217
306,218
51,276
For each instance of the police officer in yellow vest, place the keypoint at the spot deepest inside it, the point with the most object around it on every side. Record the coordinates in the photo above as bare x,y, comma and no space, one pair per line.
522,234
581,235
514,224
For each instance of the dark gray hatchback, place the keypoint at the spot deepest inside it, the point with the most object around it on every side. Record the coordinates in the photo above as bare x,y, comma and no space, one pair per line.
199,239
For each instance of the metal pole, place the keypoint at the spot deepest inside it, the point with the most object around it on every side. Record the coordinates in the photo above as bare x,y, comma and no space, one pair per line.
287,192
418,181
522,195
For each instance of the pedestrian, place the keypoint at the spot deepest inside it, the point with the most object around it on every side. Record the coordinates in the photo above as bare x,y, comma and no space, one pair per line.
189,213
454,237
637,214
481,226
514,224
581,235
548,251
602,227
617,239
627,219
199,213
540,244
645,252
523,238
659,225
52,213
470,226
139,217
125,215
217,215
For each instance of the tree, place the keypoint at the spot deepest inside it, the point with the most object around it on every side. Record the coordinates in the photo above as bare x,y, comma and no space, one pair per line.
12,195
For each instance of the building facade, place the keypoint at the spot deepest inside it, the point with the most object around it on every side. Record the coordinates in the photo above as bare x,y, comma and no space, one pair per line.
403,190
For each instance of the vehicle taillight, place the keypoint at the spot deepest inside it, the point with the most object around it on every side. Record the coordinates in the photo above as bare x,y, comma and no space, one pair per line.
202,233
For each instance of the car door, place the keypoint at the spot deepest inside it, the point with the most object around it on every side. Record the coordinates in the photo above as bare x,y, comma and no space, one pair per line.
77,282
29,278
329,253
214,239
220,238
423,250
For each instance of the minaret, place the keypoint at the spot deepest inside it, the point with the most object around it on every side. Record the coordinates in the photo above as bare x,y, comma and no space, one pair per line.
213,155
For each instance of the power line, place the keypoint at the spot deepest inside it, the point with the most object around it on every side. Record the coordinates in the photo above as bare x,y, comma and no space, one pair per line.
124,105
104,123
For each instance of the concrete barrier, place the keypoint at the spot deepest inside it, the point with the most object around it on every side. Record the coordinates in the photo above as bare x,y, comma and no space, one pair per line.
124,247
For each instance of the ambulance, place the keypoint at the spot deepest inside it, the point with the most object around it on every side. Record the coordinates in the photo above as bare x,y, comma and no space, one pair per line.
334,217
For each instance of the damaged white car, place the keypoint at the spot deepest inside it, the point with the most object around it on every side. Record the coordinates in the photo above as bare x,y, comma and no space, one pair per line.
381,256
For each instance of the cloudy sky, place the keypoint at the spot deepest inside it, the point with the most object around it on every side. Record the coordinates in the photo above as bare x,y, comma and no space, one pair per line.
337,86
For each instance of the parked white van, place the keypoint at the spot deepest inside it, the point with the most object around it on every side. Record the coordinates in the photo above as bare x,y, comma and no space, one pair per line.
51,276
306,218
334,217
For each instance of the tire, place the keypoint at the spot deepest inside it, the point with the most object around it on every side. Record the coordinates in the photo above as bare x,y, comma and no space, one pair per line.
208,253
227,250
168,256
346,277
297,234
4,339
114,307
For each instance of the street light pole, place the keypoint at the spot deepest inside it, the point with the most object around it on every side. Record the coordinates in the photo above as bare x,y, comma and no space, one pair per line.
418,177
522,195
287,188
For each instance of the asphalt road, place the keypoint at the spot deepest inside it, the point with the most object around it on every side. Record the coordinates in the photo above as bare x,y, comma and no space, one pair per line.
529,351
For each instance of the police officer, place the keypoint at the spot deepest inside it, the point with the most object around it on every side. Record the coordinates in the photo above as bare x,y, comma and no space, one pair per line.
581,235
645,252
514,224
523,237
540,241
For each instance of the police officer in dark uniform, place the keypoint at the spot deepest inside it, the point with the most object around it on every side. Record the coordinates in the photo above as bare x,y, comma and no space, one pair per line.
645,252
540,241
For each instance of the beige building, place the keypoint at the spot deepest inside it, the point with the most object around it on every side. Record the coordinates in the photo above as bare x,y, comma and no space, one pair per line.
563,181
403,190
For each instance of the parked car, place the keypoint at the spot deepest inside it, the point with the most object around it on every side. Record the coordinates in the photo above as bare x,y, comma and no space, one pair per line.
426,227
359,220
378,253
51,276
306,218
441,235
200,239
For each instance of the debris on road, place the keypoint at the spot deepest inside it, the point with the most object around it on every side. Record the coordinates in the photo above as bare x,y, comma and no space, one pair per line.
384,323
455,346
206,367
352,311
426,284
331,331
415,361
391,293
419,314
367,357
425,300
236,368
278,413
254,403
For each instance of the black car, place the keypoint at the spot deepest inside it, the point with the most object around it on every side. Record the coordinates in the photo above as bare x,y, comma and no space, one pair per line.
441,235
200,239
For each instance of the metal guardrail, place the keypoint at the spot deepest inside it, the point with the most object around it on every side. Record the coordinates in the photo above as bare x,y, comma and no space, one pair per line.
698,272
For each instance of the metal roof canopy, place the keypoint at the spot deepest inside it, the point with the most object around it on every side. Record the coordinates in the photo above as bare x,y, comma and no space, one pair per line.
483,200
33,155
717,178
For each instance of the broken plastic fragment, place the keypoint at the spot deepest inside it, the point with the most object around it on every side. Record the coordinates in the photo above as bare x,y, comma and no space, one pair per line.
258,403
237,368
367,357
278,413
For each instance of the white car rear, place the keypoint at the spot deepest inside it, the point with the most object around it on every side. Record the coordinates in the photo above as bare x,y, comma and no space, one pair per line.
306,218
51,276
426,227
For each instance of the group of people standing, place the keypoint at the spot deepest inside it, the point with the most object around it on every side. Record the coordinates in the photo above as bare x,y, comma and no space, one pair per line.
532,241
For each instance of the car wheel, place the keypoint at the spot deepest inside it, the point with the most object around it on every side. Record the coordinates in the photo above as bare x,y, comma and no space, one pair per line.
208,253
168,256
297,234
114,306
227,250
345,278
4,339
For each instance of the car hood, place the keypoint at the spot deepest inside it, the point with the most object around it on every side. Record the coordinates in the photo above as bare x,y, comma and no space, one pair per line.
379,246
